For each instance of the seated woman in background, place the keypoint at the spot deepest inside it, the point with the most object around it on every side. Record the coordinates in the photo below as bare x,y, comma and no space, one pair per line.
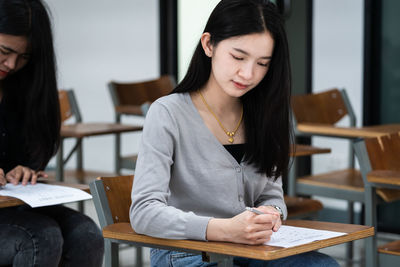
29,137
220,142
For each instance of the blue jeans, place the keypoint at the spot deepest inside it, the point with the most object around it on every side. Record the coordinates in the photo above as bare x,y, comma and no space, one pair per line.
49,236
166,258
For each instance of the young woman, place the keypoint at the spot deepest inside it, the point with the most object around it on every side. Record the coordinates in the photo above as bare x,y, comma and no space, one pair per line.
220,142
29,137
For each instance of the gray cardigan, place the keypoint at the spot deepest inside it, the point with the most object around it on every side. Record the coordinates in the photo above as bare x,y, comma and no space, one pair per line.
184,176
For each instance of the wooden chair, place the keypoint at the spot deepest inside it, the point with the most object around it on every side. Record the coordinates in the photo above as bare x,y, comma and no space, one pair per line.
322,110
112,200
79,130
135,99
317,115
379,160
327,108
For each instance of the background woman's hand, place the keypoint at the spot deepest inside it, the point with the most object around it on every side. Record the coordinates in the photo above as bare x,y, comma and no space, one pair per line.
3,180
245,228
24,174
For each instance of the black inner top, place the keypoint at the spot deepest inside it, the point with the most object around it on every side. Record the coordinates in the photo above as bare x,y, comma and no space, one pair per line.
236,150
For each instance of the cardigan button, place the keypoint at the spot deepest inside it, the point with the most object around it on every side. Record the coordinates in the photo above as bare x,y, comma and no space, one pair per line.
238,169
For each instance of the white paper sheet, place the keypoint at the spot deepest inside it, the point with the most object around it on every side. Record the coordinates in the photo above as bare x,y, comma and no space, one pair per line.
40,194
290,236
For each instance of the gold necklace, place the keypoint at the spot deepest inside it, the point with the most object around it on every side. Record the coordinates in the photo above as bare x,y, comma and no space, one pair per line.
228,133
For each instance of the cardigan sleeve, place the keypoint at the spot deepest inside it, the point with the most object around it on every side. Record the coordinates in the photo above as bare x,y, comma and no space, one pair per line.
273,195
150,213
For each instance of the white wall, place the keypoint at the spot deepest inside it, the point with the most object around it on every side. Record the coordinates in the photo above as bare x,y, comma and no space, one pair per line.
192,18
337,62
101,40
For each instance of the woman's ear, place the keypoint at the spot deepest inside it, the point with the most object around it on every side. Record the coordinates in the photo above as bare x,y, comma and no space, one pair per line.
206,44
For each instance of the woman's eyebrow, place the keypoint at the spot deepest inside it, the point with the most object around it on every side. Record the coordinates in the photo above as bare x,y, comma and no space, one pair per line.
246,53
12,50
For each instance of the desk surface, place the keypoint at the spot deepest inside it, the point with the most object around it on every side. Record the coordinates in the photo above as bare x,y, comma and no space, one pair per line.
6,201
125,232
387,177
348,132
307,150
79,130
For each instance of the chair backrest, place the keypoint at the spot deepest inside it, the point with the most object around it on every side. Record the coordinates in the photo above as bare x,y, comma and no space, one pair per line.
65,107
112,198
68,105
384,152
327,107
139,93
378,153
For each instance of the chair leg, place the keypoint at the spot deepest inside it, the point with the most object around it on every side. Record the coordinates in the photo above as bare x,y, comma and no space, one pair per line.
117,147
79,157
60,163
79,167
371,250
139,256
117,151
111,254
350,216
292,179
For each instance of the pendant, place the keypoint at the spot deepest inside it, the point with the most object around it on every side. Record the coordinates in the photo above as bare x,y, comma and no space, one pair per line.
230,139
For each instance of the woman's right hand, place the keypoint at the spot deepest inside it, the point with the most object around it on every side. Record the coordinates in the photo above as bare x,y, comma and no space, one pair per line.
245,228
24,175
3,180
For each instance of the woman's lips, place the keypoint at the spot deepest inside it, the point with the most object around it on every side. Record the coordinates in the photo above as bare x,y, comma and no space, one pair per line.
240,85
3,73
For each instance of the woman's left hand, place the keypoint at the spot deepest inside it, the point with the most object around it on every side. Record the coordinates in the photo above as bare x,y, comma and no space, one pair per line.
24,174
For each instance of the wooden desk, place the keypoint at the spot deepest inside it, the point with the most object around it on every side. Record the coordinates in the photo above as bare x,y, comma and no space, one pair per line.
216,250
347,132
307,150
301,151
81,130
6,201
388,178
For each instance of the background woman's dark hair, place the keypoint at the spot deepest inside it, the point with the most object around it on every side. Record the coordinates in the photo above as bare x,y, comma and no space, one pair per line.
32,91
267,106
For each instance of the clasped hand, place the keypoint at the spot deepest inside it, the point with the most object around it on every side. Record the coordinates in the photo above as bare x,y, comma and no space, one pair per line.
20,174
246,227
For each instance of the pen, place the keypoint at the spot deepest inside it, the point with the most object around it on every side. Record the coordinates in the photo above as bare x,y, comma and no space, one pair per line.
259,212
254,210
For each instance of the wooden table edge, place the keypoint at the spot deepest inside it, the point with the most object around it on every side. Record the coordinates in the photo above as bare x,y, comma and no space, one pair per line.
308,150
68,131
384,177
345,132
262,252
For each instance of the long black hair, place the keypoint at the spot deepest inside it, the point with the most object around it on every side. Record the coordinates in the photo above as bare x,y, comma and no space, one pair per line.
267,106
32,91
